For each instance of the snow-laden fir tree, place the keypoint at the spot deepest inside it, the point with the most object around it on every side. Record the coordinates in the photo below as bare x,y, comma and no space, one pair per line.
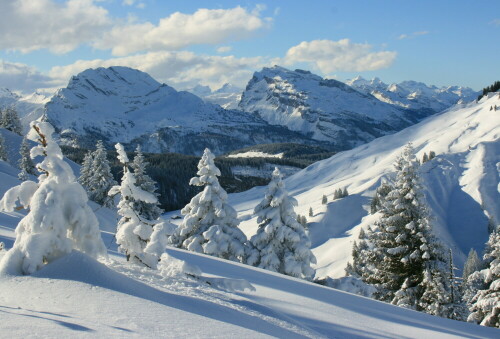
25,162
59,218
324,200
133,231
410,266
144,181
86,170
281,243
100,179
210,224
379,197
10,120
3,149
485,308
472,264
360,251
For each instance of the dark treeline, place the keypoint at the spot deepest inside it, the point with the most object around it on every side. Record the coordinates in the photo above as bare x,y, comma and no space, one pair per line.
493,88
172,171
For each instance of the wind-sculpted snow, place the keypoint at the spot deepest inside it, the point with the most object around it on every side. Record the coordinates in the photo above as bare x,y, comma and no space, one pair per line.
120,104
461,184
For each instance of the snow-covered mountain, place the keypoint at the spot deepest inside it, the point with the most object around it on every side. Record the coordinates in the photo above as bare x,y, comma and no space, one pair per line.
228,96
29,107
323,109
120,104
462,184
414,95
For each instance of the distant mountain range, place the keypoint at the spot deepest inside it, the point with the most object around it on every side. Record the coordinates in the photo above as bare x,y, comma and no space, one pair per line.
120,104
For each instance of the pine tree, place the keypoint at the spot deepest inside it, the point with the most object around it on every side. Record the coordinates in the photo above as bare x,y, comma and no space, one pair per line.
86,170
210,224
311,213
144,181
379,197
59,218
100,179
408,260
281,243
432,155
485,308
3,149
425,158
25,163
324,200
472,264
133,232
345,193
10,120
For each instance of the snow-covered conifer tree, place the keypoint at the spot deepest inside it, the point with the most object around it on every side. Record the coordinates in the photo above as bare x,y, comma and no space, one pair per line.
409,262
472,264
133,231
210,224
100,179
144,181
10,120
59,218
311,213
3,149
86,170
25,162
324,200
345,193
379,197
281,243
485,306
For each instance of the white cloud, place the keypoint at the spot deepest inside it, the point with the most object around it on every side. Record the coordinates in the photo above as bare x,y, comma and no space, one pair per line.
330,56
179,69
495,22
412,35
224,49
23,78
205,26
60,27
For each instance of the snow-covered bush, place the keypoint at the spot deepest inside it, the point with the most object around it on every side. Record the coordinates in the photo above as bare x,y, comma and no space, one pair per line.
210,225
59,218
281,243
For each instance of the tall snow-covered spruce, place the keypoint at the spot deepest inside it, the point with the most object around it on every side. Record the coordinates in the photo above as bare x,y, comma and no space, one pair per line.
281,243
100,179
3,149
10,120
485,305
59,218
210,225
409,264
144,181
133,231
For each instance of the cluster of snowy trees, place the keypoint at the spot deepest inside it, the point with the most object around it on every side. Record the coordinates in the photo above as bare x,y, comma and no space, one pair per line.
340,193
210,226
60,219
401,257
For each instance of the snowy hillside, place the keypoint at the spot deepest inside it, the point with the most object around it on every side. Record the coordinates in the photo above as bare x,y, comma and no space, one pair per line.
462,183
414,95
120,104
324,109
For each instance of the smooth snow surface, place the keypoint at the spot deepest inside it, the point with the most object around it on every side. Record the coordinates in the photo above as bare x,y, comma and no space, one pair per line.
255,154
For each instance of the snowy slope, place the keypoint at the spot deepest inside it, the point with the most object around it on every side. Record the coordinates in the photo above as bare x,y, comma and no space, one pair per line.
462,183
120,104
414,95
324,109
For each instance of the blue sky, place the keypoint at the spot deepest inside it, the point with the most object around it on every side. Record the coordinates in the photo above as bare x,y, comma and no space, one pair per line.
183,43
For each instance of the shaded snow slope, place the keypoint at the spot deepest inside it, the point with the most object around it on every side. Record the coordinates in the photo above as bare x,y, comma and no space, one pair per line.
324,109
462,184
29,107
120,104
